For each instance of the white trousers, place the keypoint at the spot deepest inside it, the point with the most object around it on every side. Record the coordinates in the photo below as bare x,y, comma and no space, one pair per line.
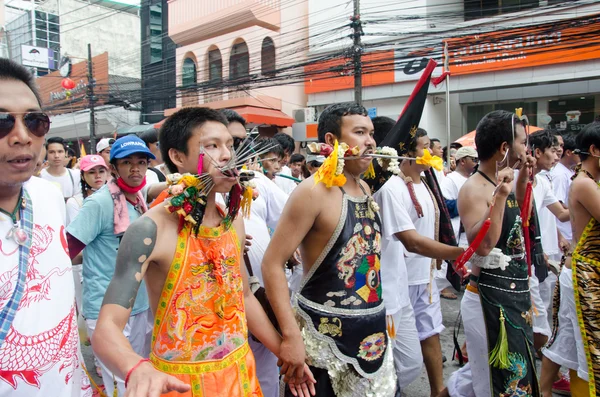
569,335
425,301
440,277
540,317
138,331
408,358
267,371
472,380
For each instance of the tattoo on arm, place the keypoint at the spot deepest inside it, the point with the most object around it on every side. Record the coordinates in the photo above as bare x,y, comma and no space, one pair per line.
136,246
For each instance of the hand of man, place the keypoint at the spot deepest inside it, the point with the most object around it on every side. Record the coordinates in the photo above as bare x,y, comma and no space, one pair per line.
563,244
292,358
145,381
247,243
505,180
304,387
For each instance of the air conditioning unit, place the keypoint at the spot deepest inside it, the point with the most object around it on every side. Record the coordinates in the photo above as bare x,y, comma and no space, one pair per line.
304,115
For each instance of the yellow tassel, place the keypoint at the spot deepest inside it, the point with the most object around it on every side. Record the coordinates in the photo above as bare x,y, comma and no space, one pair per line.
247,201
370,174
499,356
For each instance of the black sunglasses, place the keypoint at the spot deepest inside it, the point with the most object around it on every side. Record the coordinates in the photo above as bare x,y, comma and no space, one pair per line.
37,123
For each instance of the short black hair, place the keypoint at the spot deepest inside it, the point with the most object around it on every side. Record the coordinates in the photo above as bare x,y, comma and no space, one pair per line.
382,126
10,70
287,142
542,140
569,142
275,147
492,130
588,136
330,119
434,140
412,144
149,136
178,128
56,139
296,158
232,116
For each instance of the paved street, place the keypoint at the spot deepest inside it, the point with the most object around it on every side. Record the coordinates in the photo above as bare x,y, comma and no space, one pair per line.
420,387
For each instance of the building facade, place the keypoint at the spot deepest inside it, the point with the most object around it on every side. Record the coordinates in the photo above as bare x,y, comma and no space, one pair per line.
234,53
66,27
158,62
538,55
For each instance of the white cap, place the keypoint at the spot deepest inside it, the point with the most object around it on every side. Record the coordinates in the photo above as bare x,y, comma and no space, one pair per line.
103,144
315,157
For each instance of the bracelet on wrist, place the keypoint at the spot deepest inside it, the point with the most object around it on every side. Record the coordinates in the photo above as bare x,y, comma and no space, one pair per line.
143,360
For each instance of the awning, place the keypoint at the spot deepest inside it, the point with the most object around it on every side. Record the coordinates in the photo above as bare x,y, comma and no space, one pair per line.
136,129
257,116
263,116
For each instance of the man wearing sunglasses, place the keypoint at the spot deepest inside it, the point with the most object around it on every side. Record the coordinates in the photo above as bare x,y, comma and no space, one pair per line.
103,148
39,341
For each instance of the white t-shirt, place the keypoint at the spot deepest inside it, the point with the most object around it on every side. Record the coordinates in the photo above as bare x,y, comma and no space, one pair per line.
561,181
73,206
264,213
393,266
69,182
451,186
439,175
417,266
544,196
287,185
40,354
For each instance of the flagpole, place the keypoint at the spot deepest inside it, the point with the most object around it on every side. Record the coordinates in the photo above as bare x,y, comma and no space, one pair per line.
446,62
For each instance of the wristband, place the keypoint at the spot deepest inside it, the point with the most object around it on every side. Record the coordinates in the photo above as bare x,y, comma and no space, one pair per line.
143,360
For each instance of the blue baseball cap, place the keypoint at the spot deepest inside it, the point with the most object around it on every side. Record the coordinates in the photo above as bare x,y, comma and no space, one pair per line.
128,145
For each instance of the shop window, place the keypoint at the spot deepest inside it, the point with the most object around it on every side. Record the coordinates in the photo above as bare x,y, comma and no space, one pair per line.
239,62
571,113
476,112
486,8
267,57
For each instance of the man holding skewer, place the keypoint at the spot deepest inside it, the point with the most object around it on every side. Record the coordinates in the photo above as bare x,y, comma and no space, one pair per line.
496,307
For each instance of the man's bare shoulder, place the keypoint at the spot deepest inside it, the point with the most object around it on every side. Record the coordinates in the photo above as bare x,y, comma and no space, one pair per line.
473,189
583,185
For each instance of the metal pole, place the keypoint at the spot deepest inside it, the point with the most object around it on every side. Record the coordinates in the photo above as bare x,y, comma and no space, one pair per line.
357,53
447,106
91,100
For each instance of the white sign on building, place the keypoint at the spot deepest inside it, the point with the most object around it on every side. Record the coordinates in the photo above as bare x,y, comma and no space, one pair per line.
36,57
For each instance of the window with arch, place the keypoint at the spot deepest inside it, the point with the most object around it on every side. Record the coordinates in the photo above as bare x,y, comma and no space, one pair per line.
267,57
239,61
215,66
189,76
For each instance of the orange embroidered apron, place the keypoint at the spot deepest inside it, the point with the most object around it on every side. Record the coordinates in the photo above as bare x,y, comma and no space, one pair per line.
200,333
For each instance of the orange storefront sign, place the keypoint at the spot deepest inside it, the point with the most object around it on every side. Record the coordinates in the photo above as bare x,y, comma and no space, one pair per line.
338,74
559,42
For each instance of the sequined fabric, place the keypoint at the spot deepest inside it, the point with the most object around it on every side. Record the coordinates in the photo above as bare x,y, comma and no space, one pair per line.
340,310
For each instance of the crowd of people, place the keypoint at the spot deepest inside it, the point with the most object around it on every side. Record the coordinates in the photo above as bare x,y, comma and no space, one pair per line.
207,262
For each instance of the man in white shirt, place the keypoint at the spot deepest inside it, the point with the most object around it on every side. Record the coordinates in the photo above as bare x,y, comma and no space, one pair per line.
466,161
103,148
67,179
561,179
413,228
437,150
543,145
289,147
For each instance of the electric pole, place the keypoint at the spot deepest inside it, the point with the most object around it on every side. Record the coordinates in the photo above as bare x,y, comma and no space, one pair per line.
357,52
91,99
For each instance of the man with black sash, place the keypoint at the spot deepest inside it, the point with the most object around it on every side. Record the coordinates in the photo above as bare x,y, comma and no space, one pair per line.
585,215
496,307
339,325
